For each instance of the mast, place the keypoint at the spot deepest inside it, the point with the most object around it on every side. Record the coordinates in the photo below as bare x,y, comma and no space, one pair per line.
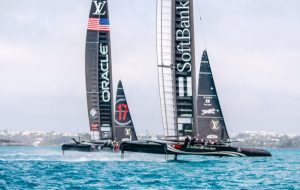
176,66
194,78
98,70
211,122
124,128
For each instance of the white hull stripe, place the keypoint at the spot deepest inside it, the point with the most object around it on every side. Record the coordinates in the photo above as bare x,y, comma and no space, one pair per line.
209,117
208,95
227,153
205,73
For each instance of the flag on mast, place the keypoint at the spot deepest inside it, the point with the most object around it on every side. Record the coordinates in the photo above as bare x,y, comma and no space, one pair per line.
98,24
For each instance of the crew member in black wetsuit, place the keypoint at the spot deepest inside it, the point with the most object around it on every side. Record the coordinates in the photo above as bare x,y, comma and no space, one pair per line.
186,142
202,142
193,141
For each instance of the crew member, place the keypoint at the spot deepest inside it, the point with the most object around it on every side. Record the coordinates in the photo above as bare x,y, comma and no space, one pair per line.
186,141
202,142
116,147
193,141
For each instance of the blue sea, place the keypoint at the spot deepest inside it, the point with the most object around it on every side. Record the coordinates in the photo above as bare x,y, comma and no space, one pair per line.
46,168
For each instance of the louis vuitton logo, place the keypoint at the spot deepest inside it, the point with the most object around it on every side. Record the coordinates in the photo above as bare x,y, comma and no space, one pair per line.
215,125
99,8
127,131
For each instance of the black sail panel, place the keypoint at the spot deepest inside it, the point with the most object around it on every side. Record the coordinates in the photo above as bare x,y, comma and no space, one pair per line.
98,72
184,66
211,124
124,128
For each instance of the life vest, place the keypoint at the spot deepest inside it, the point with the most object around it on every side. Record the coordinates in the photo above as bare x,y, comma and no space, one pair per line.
116,147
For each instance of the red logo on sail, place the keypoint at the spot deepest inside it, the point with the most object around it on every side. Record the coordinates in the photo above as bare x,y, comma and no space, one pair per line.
123,110
94,127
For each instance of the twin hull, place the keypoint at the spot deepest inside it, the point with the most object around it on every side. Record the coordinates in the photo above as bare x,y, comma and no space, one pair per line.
205,150
169,148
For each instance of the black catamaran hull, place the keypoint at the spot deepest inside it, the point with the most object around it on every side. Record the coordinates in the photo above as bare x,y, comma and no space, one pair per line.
86,147
205,150
77,147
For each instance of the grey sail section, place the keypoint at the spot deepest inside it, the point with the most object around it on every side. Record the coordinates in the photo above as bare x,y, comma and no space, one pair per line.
175,52
165,61
98,69
124,128
211,124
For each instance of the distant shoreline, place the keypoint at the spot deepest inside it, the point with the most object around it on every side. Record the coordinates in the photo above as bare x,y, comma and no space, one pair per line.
247,139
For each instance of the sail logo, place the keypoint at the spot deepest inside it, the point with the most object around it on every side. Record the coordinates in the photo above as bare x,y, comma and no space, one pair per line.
215,125
209,111
93,113
122,117
127,131
123,110
104,67
94,127
212,136
99,8
183,35
207,101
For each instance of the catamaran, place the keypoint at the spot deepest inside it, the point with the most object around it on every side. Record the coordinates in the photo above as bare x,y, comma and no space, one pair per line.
184,111
106,127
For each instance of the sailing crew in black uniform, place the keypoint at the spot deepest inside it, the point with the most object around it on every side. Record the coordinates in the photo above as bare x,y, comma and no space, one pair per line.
186,141
193,141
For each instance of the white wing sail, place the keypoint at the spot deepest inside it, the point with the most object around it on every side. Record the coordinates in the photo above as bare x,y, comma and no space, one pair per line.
165,63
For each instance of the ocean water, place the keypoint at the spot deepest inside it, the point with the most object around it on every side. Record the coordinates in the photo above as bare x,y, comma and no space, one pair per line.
47,168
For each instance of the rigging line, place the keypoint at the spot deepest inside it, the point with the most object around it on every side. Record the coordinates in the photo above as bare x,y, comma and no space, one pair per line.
117,64
116,71
202,26
153,109
160,8
161,55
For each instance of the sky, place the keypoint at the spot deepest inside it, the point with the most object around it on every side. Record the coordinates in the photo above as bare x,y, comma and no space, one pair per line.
253,47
